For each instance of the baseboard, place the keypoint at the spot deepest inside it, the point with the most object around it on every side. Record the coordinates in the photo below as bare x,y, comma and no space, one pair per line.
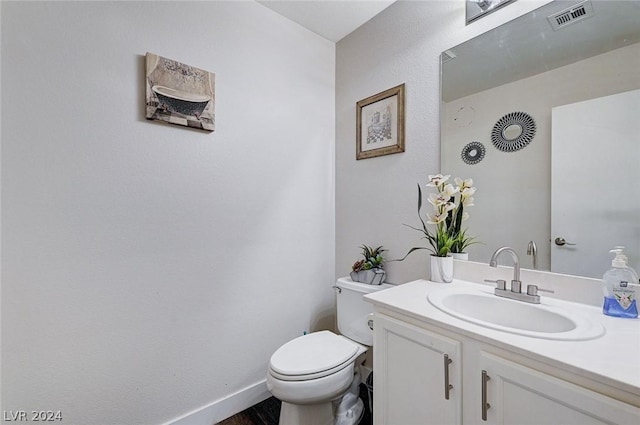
228,406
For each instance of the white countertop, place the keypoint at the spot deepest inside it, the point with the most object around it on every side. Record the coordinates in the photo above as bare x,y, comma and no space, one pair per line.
612,359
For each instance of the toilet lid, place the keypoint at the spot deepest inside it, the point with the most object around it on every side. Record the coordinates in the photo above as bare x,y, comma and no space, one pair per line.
312,353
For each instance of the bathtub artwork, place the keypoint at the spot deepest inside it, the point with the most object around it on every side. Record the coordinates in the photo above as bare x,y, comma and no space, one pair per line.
179,94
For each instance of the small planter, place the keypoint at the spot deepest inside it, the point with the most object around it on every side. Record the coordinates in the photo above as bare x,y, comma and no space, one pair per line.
441,269
371,276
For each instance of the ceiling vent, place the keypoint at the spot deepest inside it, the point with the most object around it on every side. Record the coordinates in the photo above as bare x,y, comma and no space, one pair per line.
571,15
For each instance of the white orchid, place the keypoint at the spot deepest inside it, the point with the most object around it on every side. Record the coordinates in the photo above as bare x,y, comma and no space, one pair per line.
437,180
448,215
463,184
450,190
441,202
467,202
437,218
467,192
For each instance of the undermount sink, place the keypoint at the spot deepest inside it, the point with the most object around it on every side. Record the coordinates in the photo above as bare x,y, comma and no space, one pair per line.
534,320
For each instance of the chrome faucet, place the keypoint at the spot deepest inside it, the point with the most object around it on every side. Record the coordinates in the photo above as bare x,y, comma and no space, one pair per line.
532,250
531,296
516,265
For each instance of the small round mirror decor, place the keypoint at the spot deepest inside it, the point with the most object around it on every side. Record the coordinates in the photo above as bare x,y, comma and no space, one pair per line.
505,135
473,153
512,132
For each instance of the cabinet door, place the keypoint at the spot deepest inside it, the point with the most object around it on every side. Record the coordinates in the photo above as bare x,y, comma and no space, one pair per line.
412,368
519,395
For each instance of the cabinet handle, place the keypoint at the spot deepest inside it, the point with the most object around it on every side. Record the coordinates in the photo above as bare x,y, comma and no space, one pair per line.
485,406
447,385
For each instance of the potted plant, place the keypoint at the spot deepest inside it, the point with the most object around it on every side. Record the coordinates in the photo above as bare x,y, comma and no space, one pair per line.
370,269
449,203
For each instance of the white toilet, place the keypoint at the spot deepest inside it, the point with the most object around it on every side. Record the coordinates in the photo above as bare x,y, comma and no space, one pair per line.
314,375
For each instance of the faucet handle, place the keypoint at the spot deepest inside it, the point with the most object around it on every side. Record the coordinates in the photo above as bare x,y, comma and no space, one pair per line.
500,283
533,290
538,289
516,286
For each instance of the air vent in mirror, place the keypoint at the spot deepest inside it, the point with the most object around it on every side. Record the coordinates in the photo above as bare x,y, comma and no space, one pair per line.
571,15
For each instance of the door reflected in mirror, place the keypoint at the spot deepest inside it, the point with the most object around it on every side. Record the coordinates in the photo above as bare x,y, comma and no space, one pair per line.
532,68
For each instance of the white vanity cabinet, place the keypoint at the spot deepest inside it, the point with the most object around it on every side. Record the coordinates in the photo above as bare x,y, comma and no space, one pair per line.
417,377
517,394
412,374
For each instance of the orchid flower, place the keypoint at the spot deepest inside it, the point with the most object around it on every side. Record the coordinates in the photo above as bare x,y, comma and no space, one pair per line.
467,202
463,184
450,190
437,218
467,192
441,202
437,180
449,211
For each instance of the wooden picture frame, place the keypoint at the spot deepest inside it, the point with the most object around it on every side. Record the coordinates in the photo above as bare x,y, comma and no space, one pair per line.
380,124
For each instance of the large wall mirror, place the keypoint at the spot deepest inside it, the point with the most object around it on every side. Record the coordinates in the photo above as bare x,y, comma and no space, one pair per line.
568,75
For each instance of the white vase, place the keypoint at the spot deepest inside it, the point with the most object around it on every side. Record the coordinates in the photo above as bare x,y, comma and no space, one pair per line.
460,255
441,269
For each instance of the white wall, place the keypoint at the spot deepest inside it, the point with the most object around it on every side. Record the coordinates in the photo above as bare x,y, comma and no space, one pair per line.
374,197
149,270
528,171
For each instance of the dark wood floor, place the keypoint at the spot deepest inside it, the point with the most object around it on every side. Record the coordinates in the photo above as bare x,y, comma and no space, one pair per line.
268,412
263,413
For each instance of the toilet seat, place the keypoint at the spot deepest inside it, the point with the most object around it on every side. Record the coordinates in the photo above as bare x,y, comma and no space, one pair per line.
313,356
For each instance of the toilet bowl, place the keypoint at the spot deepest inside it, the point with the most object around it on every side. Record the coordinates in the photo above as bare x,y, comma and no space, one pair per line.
317,376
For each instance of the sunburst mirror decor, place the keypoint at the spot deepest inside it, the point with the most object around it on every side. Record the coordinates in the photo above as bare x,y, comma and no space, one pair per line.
513,132
473,153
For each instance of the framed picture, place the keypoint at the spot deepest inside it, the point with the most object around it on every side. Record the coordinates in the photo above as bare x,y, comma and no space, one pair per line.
380,124
179,94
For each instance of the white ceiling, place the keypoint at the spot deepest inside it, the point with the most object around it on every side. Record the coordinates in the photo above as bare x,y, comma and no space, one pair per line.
332,19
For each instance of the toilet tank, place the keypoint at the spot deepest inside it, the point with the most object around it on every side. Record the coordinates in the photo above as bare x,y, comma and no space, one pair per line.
353,311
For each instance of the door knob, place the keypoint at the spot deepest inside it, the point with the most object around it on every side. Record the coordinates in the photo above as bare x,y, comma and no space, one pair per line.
562,242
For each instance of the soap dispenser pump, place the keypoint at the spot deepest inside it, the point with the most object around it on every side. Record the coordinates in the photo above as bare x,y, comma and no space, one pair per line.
636,279
619,296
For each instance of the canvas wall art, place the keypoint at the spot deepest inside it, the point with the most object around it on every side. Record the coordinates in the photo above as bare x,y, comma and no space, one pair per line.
179,94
